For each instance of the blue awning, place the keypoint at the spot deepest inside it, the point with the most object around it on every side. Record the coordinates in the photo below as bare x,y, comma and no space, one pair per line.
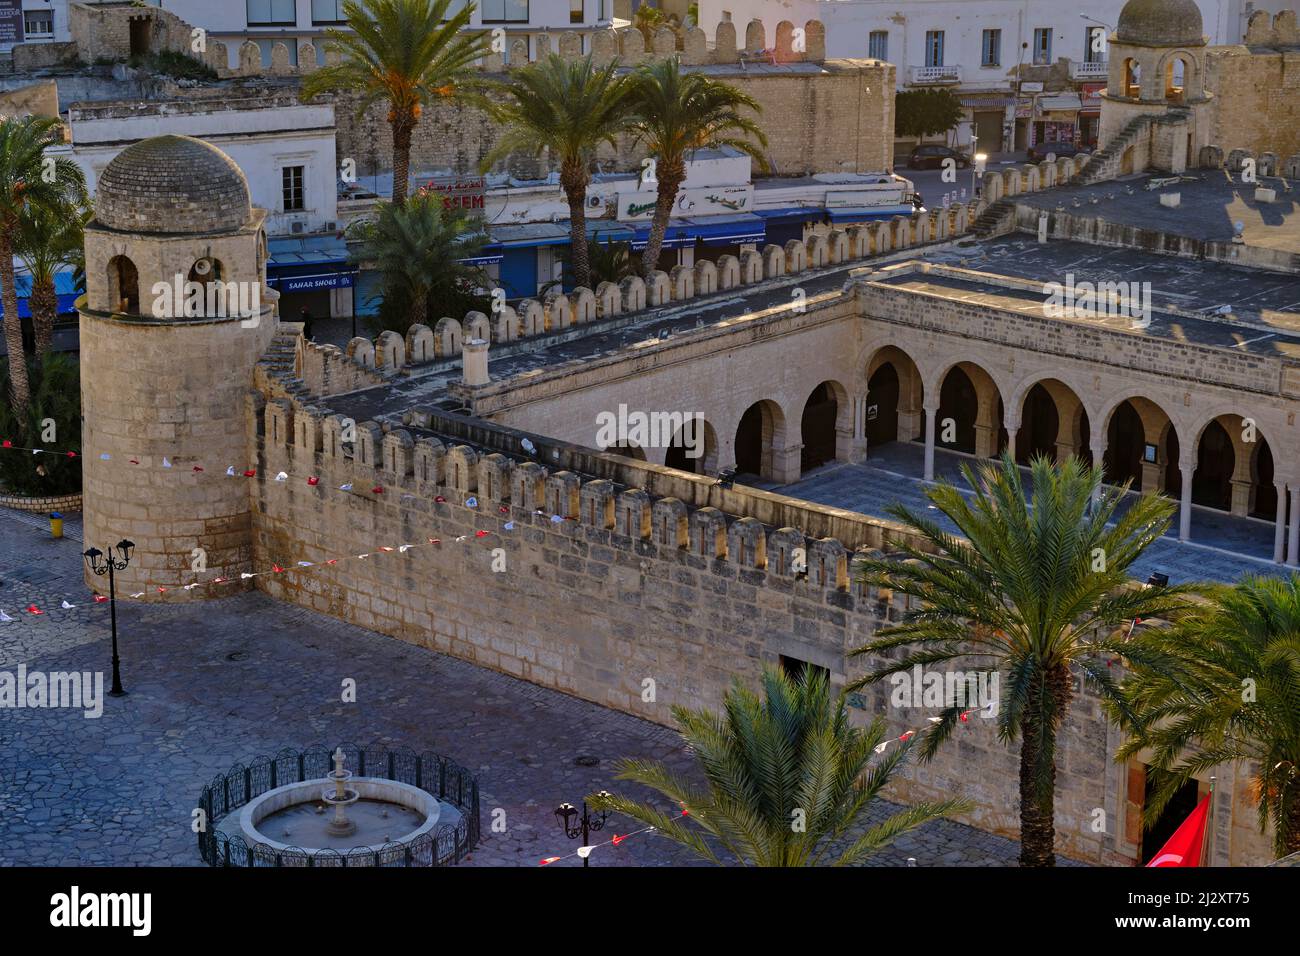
868,213
712,230
64,288
792,212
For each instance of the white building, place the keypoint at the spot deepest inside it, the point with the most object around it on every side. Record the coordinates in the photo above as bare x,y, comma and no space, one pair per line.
285,148
1026,70
33,21
300,22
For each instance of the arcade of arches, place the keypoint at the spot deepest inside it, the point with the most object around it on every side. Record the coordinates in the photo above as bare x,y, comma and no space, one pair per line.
1228,465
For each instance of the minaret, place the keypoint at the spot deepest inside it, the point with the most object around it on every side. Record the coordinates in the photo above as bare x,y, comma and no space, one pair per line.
175,317
1157,69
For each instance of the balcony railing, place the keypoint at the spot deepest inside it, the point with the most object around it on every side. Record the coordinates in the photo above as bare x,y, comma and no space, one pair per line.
934,74
1082,69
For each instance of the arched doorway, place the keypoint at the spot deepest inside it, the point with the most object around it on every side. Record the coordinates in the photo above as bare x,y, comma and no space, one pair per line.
1132,79
882,406
1263,502
1216,460
958,407
818,426
694,449
1039,423
894,399
1125,446
760,432
969,418
1142,447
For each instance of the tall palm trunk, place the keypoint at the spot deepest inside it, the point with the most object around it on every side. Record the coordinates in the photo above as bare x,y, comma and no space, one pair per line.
402,128
1037,762
1291,834
574,177
19,390
44,303
671,176
420,307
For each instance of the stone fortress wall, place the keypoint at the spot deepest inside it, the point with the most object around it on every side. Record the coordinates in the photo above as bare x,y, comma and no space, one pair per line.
1257,87
607,585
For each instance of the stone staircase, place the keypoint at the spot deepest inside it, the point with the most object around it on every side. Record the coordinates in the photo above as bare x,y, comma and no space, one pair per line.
996,219
1104,164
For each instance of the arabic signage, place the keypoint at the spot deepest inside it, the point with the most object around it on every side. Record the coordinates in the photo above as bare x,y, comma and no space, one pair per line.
704,201
885,194
11,21
466,193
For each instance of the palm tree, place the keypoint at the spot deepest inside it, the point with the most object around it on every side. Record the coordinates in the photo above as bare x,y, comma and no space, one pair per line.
49,238
406,52
417,250
568,108
786,779
28,181
1235,696
1034,589
678,113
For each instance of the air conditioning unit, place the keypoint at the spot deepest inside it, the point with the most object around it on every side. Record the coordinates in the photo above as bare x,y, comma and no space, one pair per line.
330,227
297,228
594,201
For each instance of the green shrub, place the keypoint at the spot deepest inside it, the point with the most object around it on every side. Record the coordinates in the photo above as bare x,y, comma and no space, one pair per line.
56,395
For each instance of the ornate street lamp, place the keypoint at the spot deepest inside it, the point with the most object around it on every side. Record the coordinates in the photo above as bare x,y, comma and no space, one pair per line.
102,564
575,826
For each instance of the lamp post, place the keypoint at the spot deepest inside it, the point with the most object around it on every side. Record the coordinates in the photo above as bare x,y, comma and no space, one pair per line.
108,565
575,826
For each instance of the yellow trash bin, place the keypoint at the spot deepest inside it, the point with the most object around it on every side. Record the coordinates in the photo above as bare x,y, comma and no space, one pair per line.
56,525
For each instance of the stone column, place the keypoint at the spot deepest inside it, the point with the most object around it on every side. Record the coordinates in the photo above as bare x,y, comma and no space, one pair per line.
1185,509
986,441
1279,523
930,413
858,442
1293,533
786,464
1240,497
1153,475
1098,448
1011,438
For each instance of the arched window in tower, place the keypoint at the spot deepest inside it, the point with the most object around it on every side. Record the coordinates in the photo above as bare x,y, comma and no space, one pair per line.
206,270
1132,79
1175,79
123,285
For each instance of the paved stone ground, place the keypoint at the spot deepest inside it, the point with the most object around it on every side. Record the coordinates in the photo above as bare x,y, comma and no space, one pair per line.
223,681
1223,547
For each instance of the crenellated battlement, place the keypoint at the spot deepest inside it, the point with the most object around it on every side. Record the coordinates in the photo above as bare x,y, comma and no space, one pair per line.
750,528
1272,30
782,43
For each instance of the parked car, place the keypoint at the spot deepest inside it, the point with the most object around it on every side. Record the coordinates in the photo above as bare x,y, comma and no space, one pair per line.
932,157
1040,151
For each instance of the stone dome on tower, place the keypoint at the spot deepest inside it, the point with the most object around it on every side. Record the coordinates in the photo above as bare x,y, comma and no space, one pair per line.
1161,23
172,185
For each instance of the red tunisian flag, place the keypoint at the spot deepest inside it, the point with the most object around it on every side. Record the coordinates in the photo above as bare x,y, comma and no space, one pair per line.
1184,847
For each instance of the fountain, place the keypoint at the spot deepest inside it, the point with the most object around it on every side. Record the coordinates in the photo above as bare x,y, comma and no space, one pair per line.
340,798
368,813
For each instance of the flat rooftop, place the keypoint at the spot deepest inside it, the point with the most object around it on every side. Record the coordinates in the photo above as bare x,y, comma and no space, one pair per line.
1192,300
1210,203
1186,295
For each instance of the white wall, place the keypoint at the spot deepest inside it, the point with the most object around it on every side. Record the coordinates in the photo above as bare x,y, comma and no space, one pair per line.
261,141
219,16
849,22
59,9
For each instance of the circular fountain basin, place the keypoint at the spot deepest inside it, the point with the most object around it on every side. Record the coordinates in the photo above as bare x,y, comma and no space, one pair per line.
412,812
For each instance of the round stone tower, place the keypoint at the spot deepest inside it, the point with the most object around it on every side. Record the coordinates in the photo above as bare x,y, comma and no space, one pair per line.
1157,69
175,317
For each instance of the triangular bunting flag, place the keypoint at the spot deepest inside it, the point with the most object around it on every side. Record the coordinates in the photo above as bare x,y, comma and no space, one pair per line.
471,502
33,609
66,606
